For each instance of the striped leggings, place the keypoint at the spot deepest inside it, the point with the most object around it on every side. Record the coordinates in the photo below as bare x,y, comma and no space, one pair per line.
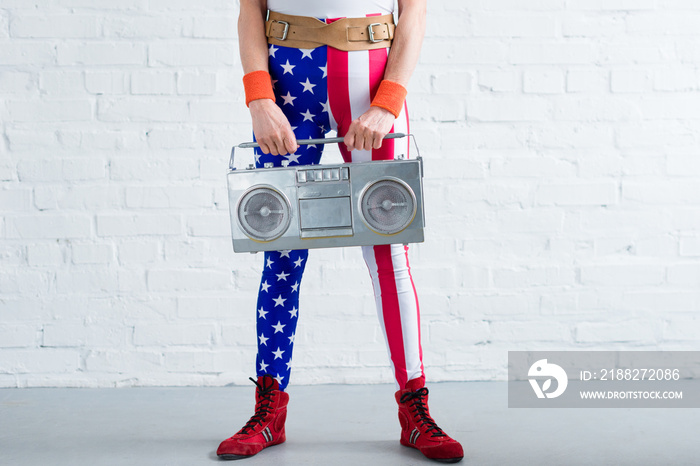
320,90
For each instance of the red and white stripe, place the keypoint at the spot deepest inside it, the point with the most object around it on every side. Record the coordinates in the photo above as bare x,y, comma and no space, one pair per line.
397,308
353,79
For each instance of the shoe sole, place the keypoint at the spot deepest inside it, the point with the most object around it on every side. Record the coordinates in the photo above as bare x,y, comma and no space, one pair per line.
447,460
456,459
228,456
234,457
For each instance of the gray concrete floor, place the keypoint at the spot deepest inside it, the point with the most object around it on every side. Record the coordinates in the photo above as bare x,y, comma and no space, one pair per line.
328,425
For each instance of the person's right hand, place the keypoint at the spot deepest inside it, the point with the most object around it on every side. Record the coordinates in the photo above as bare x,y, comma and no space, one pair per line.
271,128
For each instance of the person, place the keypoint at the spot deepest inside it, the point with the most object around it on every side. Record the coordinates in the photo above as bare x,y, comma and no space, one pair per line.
304,78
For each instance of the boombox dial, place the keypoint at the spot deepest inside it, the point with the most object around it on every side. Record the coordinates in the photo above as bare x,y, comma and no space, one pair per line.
325,206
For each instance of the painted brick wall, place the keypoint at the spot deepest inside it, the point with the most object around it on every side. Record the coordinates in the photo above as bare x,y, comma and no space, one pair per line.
562,155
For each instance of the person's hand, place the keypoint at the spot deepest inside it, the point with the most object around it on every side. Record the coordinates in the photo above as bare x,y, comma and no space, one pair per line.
369,129
271,128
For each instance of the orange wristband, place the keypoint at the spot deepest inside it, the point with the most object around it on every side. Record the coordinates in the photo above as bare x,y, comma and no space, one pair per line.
258,85
390,96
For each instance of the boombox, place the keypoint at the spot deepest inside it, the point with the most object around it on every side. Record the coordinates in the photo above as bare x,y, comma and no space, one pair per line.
326,206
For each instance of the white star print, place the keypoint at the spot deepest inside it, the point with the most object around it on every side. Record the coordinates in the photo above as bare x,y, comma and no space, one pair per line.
288,68
279,301
288,99
279,327
308,115
274,81
283,100
308,86
293,158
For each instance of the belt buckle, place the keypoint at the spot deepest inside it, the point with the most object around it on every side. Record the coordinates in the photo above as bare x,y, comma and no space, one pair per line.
371,33
286,30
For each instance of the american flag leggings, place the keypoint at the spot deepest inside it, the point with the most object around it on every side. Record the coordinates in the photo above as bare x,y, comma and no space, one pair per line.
319,90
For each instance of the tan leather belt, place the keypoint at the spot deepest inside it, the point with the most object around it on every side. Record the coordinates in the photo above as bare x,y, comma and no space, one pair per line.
305,32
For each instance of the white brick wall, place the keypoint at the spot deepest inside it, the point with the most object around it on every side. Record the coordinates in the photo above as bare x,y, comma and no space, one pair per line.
562,156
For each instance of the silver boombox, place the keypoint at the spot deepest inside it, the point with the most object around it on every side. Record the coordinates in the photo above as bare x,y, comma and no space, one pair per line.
326,206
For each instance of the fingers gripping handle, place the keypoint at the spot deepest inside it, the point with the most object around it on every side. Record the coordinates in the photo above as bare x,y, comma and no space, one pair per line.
304,142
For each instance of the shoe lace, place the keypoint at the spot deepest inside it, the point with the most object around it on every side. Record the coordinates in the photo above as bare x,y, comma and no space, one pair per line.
420,411
263,406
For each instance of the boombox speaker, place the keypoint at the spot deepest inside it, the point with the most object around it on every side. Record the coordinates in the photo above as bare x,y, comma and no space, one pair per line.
326,206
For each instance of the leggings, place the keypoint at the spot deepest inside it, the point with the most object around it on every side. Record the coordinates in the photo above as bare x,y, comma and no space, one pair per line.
319,90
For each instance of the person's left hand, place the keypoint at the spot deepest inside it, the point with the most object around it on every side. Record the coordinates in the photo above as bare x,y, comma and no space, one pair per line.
367,131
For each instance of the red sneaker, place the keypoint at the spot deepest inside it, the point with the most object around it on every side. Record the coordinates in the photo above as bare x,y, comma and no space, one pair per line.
265,428
419,430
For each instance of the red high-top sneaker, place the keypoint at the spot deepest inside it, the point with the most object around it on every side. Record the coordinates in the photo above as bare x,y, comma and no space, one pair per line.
265,428
419,430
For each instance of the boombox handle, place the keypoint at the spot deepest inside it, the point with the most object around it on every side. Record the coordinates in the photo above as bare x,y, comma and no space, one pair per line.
304,142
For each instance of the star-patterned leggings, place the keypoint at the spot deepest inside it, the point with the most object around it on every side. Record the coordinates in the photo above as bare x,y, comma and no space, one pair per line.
319,90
